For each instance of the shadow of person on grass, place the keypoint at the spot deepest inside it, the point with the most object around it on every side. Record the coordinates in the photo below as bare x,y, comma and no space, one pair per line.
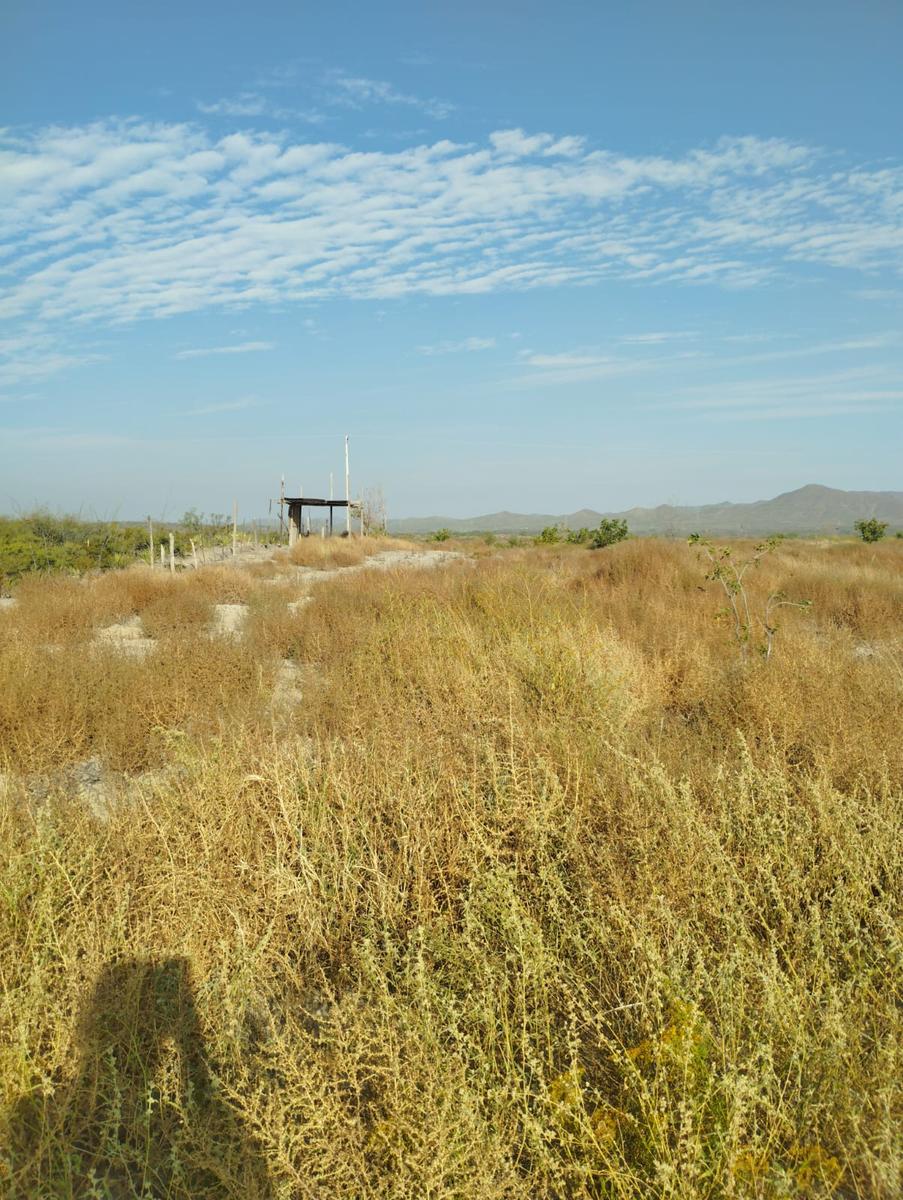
142,1117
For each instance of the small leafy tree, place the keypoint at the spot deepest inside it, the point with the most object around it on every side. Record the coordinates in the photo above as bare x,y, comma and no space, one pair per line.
441,535
550,536
610,530
730,574
579,537
871,530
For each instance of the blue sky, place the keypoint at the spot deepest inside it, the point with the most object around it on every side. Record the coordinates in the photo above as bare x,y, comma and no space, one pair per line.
530,256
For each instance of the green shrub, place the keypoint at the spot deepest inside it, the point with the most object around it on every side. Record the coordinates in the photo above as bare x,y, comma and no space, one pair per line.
871,530
610,530
550,536
579,537
41,541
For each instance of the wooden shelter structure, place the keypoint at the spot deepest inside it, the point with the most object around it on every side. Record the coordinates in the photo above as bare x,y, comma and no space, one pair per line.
296,506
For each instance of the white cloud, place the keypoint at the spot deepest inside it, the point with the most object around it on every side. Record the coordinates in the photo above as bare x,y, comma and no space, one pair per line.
655,339
356,91
878,294
240,348
31,356
252,104
124,219
248,104
581,366
864,389
514,143
556,361
467,345
223,406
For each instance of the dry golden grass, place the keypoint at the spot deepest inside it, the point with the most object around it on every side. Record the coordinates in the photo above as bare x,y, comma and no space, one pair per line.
323,553
540,893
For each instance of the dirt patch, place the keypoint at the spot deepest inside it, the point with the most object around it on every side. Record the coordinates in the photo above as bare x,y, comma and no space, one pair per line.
90,783
289,689
229,619
126,637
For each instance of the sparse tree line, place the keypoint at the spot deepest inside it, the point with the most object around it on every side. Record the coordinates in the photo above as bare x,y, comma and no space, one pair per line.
42,541
609,531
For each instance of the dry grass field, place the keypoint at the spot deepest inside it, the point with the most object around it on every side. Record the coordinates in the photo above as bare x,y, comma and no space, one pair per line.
529,886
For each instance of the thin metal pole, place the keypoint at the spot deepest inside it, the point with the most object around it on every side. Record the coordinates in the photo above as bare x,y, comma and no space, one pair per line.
347,491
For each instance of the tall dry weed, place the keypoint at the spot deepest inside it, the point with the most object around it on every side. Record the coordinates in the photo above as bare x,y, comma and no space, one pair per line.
539,892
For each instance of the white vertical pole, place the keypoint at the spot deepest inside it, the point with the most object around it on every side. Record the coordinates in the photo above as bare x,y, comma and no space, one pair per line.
172,554
347,491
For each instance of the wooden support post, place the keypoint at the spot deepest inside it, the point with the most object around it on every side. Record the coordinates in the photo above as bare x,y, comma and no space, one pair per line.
294,523
172,554
150,530
347,490
194,553
162,557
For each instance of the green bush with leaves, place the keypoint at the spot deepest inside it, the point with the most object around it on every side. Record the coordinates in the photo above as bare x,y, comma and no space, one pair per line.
871,530
550,536
441,535
41,541
579,537
610,531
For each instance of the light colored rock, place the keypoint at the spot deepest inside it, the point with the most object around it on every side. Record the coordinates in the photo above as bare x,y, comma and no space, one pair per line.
138,648
125,631
126,638
296,605
391,560
288,690
7,602
228,619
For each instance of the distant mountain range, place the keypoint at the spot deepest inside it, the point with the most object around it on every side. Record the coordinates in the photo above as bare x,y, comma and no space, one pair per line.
810,509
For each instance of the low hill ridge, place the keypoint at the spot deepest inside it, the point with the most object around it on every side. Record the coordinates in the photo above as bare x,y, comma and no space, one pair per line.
813,508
